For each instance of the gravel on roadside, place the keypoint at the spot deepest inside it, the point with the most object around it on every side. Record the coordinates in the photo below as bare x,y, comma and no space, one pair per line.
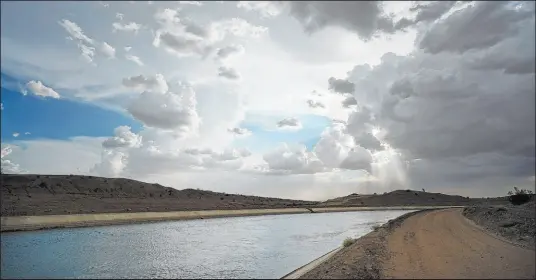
516,224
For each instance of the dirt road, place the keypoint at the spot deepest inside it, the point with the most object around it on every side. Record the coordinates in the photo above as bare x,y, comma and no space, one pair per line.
428,245
444,244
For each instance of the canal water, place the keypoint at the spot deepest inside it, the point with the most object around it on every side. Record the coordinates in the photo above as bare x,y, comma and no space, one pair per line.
240,247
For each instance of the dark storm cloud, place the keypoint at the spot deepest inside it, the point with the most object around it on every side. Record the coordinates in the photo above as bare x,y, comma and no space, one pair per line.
461,110
479,26
363,17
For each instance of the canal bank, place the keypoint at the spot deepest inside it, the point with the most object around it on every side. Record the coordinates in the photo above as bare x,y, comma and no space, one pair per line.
24,223
297,273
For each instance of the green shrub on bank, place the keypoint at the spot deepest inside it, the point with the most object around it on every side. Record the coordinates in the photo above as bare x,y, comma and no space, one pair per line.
348,241
519,196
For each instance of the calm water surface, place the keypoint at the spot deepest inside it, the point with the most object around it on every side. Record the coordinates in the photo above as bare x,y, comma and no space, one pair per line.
244,247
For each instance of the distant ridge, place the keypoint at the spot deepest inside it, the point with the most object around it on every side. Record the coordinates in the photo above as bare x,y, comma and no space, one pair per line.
29,194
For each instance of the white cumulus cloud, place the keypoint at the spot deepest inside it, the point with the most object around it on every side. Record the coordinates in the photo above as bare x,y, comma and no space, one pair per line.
124,138
239,131
167,110
108,50
228,73
128,27
37,88
141,83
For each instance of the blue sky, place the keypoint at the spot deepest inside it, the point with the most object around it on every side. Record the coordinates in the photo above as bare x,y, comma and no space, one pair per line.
58,119
264,139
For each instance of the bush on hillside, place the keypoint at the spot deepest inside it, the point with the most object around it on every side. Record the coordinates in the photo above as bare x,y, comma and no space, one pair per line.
348,241
519,196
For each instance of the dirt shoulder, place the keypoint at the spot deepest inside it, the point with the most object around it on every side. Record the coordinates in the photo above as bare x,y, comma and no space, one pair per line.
360,260
429,244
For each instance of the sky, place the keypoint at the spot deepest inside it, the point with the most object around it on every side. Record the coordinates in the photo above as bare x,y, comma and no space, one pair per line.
308,100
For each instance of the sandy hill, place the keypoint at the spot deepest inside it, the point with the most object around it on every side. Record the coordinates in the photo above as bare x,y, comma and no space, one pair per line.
73,194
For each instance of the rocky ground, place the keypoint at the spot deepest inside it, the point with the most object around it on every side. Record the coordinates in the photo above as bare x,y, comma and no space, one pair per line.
514,223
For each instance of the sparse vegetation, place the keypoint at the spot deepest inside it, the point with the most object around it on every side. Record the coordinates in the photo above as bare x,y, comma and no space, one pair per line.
519,196
348,241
